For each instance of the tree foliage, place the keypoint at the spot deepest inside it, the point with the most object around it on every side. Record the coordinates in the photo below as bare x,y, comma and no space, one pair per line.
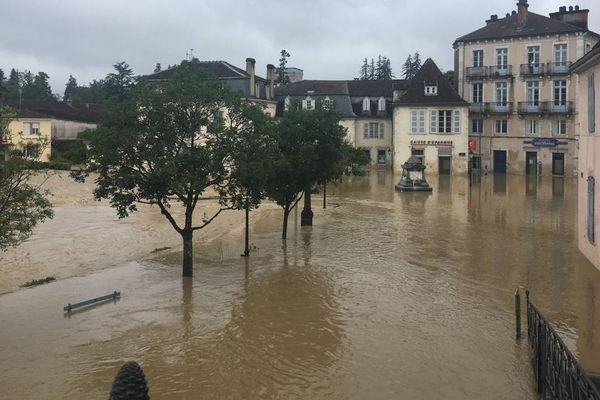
282,77
380,70
167,144
22,204
411,66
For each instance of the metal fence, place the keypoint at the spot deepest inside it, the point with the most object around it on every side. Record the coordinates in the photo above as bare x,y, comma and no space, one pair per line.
558,375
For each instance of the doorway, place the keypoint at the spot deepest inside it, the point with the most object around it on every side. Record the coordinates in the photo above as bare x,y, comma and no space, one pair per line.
531,162
558,163
445,164
500,161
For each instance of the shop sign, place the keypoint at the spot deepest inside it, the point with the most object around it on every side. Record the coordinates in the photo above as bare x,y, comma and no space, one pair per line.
545,142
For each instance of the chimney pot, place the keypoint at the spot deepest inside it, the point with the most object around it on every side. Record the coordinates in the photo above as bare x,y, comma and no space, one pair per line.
250,71
271,81
562,9
570,8
513,12
507,15
576,8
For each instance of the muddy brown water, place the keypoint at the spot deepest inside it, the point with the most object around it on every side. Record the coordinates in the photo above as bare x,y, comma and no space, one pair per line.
390,295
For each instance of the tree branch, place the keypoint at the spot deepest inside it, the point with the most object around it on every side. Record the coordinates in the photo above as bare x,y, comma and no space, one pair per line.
167,214
211,219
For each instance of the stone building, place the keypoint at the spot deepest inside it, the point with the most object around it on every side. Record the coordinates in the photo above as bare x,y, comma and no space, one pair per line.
515,73
587,78
294,74
378,116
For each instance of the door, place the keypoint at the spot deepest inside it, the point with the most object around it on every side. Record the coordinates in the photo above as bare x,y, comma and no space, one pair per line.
531,162
558,163
500,161
445,164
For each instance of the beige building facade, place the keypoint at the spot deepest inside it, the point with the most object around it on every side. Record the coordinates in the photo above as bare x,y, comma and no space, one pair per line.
515,74
24,132
587,77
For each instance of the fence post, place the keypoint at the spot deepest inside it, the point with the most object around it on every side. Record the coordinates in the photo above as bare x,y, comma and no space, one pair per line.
540,357
518,313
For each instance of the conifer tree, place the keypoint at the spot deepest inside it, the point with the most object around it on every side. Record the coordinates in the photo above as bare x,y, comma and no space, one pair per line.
70,89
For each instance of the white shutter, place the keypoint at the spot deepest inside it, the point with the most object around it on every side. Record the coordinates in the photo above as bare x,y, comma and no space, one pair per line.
26,128
434,121
456,121
304,104
366,130
422,121
381,125
413,121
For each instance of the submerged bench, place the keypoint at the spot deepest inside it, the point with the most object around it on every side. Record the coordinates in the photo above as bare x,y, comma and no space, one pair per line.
113,296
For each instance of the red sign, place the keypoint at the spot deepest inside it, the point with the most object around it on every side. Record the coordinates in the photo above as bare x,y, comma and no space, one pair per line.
472,144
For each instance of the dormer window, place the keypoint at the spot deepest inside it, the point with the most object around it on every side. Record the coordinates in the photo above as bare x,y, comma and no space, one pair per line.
431,90
381,104
308,103
327,103
366,104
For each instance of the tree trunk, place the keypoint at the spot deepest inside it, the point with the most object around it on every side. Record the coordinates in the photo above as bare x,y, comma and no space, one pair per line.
325,195
286,214
247,235
306,218
188,253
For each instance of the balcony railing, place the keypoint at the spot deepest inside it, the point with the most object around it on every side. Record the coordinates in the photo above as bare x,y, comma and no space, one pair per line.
559,68
476,107
532,69
500,71
545,107
476,72
498,108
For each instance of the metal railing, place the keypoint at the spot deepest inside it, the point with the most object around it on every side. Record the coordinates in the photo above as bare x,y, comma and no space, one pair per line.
531,107
556,370
500,71
559,68
477,72
498,107
532,69
545,107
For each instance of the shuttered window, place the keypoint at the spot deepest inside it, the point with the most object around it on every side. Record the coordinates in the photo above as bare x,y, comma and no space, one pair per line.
456,121
591,104
366,130
381,127
434,121
590,208
417,121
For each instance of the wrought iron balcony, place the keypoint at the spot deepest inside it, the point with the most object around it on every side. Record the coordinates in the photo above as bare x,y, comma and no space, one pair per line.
476,107
500,71
532,69
554,107
559,68
476,72
498,107
531,107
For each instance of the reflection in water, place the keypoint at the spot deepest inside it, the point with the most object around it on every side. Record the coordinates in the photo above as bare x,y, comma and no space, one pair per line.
389,295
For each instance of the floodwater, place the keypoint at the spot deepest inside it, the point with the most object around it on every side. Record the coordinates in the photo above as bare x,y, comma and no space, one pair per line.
390,295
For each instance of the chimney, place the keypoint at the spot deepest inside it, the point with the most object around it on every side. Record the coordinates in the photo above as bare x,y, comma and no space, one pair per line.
522,7
574,16
250,63
493,18
271,81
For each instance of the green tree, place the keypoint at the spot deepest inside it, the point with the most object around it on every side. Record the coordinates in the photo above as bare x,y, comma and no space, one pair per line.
70,89
372,70
22,205
166,148
119,84
2,76
363,73
416,62
407,68
282,77
157,68
13,86
310,148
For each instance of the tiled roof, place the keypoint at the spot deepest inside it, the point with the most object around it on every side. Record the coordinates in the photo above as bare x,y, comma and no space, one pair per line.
430,73
507,27
90,113
220,69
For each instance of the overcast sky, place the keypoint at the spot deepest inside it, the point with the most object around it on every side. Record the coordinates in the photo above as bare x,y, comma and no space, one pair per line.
326,38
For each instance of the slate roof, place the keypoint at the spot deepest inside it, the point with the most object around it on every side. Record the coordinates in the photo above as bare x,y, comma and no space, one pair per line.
430,73
89,113
220,69
320,88
359,88
580,64
508,27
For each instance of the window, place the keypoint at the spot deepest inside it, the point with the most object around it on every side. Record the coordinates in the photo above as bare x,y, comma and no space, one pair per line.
560,54
533,93
430,90
591,104
381,159
417,121
477,126
366,104
477,94
286,103
420,153
373,130
560,96
501,94
559,127
308,104
533,58
502,59
590,209
501,126
476,163
31,128
327,103
532,127
444,121
478,58
456,121
381,104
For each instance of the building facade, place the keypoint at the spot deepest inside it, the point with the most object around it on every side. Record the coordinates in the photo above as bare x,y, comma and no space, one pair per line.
587,76
515,73
30,132
379,117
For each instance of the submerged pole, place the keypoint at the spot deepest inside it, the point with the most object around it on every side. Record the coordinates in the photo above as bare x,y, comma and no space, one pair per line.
518,314
247,233
325,195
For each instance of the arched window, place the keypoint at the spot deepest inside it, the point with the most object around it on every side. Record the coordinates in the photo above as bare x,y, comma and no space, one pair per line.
308,103
327,103
366,104
381,104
